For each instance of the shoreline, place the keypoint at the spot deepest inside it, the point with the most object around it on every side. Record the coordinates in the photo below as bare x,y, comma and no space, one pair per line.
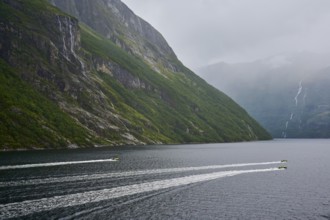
96,146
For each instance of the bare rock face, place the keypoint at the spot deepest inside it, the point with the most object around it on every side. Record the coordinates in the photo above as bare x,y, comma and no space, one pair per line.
118,23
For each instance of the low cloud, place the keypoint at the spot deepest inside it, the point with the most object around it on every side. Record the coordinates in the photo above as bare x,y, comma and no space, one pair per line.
207,31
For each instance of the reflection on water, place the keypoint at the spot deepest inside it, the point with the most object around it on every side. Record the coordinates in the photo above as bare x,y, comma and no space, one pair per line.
210,181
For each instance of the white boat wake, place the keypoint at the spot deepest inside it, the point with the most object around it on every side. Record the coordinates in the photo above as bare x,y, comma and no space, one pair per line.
127,173
54,164
13,210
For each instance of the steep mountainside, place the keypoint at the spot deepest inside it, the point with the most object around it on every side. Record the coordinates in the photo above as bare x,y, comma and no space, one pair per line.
286,93
117,22
313,106
65,85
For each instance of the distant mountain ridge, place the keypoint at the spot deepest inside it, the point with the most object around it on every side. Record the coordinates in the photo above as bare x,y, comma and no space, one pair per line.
64,84
285,93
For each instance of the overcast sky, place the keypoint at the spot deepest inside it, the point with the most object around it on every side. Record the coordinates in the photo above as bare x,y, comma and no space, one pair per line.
202,32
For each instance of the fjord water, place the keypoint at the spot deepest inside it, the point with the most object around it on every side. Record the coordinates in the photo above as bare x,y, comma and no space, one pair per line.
202,181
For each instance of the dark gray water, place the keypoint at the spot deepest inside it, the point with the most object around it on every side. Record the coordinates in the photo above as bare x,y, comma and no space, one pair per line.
211,181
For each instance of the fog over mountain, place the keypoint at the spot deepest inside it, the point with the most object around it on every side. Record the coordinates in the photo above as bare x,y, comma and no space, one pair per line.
288,93
204,32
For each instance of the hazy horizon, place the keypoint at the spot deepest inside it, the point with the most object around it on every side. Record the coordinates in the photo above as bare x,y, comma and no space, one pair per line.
203,32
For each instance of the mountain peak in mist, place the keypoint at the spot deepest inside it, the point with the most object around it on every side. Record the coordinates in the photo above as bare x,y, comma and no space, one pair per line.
285,92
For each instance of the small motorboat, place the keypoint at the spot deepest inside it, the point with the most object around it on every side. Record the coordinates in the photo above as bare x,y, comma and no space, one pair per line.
282,167
284,161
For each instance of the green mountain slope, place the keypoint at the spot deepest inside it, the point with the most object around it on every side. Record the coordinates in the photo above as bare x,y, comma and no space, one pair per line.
63,84
29,119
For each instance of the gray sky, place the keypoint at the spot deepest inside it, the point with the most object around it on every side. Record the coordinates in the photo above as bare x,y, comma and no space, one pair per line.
202,32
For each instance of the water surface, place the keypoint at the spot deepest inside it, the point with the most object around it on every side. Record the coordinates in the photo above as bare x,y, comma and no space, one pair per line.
204,181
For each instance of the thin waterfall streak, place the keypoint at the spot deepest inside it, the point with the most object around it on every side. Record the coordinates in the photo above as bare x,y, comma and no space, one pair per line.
64,52
298,93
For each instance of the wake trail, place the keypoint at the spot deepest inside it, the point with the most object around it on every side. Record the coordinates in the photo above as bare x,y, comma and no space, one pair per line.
13,210
53,164
126,174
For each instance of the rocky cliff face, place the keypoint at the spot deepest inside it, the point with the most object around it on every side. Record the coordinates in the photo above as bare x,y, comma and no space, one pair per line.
117,22
50,58
65,85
